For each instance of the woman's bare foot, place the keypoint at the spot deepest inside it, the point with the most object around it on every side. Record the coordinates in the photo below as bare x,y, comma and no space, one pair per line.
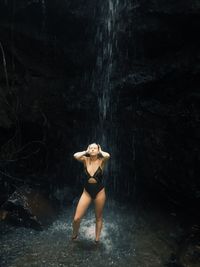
74,237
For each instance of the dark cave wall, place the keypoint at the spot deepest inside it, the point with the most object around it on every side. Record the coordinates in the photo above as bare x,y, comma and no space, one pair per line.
159,98
50,55
48,52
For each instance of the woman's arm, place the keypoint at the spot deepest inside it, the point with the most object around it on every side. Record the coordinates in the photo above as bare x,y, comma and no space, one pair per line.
104,154
81,155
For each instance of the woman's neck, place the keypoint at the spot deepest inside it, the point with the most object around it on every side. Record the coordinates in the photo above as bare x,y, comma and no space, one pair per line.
93,158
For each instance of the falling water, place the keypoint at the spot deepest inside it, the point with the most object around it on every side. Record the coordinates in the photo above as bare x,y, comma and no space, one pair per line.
109,21
105,39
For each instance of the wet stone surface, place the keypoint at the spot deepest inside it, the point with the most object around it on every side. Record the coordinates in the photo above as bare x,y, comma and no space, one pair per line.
129,237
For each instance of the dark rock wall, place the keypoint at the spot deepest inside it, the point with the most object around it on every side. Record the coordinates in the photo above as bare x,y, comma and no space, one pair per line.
48,49
159,95
51,54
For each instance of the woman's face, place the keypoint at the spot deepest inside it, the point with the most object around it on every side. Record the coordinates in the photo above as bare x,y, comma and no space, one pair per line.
93,149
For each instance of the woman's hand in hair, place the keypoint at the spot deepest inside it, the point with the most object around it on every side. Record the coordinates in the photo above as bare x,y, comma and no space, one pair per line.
87,152
103,154
99,148
88,149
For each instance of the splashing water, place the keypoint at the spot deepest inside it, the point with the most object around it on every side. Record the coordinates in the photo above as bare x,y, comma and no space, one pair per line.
126,240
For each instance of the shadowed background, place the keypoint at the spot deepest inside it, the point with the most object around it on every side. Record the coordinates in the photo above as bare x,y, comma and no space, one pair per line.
124,74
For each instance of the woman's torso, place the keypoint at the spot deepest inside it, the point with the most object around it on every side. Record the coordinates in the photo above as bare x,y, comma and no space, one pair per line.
94,171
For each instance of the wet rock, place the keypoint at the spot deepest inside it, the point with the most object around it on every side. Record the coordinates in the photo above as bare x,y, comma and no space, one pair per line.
30,208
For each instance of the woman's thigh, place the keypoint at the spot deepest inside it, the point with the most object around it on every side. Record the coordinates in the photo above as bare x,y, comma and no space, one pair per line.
99,202
82,205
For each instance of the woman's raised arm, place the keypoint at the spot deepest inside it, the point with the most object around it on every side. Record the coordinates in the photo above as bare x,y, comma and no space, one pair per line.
81,155
104,154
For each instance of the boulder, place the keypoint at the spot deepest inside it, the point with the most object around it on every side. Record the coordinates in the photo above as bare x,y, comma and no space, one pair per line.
29,207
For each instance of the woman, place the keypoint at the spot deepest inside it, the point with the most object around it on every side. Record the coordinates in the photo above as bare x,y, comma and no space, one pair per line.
94,160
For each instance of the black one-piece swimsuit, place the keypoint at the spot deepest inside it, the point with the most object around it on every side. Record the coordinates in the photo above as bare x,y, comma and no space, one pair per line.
94,188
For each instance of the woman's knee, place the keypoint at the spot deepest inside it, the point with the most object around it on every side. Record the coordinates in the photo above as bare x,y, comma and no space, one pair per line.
77,219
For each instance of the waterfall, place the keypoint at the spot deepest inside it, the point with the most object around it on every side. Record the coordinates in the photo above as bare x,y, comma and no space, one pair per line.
106,44
109,17
105,39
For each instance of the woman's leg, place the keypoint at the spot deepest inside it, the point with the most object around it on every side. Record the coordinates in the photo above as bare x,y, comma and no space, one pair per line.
82,206
99,204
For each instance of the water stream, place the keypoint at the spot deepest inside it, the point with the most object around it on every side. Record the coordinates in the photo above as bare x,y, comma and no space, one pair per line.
106,43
